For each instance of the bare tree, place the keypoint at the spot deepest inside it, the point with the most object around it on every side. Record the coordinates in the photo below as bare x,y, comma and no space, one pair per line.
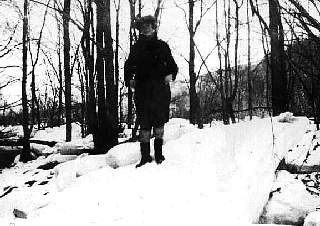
111,83
158,12
249,63
107,98
133,39
277,63
192,25
278,73
60,74
88,50
116,55
25,155
34,62
67,71
228,76
304,59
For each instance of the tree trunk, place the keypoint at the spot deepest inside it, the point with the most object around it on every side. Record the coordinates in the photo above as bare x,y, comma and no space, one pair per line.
33,97
88,52
60,74
278,74
116,55
100,145
83,101
60,107
249,65
25,155
192,74
222,94
67,73
111,83
132,41
236,73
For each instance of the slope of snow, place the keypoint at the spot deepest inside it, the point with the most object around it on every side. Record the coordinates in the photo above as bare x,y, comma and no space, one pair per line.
214,176
57,133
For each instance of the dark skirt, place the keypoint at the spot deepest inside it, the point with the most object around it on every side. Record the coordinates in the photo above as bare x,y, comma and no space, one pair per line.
152,99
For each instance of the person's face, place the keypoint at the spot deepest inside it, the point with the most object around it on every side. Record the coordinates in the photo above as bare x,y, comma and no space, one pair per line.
147,30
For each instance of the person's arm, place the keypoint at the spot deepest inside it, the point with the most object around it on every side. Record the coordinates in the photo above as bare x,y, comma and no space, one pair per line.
172,68
129,69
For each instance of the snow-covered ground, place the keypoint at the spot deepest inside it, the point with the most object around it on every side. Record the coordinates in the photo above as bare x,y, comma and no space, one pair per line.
219,175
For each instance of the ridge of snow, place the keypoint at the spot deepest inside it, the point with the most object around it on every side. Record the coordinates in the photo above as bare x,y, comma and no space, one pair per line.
220,175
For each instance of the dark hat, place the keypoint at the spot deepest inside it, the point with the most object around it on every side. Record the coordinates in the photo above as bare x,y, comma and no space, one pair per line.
145,20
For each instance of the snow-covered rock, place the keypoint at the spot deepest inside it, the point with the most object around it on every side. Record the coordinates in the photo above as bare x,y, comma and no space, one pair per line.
38,148
76,146
66,173
49,150
285,117
313,219
60,158
123,155
305,156
290,203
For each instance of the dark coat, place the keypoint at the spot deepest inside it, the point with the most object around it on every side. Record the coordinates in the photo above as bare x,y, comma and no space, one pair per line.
149,61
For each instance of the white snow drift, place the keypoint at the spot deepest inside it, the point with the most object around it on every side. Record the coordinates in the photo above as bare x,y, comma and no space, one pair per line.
215,176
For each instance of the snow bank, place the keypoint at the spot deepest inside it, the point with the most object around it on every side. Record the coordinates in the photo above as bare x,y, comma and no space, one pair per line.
129,153
313,219
18,130
260,147
282,207
305,157
215,176
76,146
66,173
57,134
123,155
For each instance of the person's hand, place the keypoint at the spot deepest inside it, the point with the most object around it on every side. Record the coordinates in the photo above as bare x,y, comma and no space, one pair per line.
168,79
132,83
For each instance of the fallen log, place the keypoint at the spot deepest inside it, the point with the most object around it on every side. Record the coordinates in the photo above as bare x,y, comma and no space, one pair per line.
44,142
19,142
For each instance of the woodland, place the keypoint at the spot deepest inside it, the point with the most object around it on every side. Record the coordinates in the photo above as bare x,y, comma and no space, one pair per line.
64,60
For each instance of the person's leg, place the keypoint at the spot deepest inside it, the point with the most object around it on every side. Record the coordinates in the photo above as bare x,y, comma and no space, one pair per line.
144,137
158,142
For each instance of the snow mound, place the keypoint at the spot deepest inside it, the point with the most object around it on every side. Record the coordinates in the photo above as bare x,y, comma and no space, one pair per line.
211,176
76,146
66,173
58,134
123,155
285,117
282,207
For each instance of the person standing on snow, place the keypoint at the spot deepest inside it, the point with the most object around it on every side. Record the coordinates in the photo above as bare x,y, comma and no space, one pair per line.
149,69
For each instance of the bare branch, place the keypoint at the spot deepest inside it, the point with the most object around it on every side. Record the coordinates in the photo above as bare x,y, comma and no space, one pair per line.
8,83
255,11
74,21
202,14
185,14
6,46
10,66
303,12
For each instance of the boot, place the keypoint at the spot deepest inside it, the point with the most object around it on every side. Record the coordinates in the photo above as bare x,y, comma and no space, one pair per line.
145,154
158,151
